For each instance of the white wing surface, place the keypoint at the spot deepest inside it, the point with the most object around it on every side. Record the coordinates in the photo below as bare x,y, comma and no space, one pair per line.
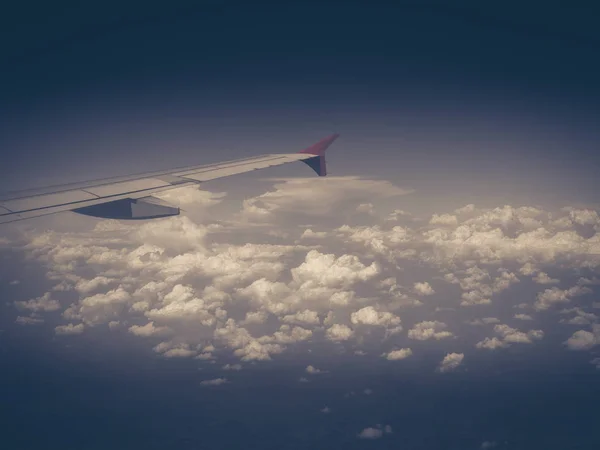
131,197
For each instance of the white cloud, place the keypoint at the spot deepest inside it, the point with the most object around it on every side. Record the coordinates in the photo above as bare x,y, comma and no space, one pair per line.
423,288
370,316
523,317
544,278
450,362
28,320
191,283
339,332
214,382
491,343
149,330
396,355
584,340
313,370
39,304
555,296
236,367
371,433
375,432
425,330
69,329
326,410
297,195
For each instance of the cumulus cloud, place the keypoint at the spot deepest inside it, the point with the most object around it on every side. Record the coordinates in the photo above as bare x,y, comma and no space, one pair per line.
214,382
509,336
257,290
338,332
69,329
396,355
313,370
423,288
584,340
450,362
425,330
375,432
297,195
39,304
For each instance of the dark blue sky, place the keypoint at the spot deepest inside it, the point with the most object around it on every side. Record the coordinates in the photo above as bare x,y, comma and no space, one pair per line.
463,102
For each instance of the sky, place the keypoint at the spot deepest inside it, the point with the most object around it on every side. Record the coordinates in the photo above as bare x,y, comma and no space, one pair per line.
437,290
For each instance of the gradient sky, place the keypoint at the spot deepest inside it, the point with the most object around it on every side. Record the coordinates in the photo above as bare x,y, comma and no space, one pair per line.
439,106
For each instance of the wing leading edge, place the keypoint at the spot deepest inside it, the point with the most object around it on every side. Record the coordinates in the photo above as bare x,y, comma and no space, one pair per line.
131,197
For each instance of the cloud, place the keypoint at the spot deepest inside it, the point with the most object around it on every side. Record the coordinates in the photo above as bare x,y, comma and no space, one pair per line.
236,367
509,336
39,304
488,444
28,320
554,295
584,340
212,288
149,330
214,382
69,329
450,362
297,195
423,288
396,355
375,432
523,317
423,331
370,316
339,332
313,370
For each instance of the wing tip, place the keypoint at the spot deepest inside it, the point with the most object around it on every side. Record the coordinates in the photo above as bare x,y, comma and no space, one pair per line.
320,147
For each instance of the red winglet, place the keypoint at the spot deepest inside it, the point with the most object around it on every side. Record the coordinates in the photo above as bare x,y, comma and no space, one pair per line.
318,162
320,147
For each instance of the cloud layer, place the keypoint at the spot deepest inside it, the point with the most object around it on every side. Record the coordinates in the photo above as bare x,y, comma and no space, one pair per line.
256,283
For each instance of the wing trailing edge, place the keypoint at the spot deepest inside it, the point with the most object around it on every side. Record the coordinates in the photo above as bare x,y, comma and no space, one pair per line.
130,198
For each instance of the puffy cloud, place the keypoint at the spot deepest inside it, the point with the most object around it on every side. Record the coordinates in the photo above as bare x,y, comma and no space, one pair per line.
236,367
328,271
28,320
69,329
214,382
555,295
396,355
425,330
297,195
338,332
584,340
375,432
39,304
149,330
371,433
544,278
443,219
370,316
523,317
192,283
491,343
313,370
423,289
450,362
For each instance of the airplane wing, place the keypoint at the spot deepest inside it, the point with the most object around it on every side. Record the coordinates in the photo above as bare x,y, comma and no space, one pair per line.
131,197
